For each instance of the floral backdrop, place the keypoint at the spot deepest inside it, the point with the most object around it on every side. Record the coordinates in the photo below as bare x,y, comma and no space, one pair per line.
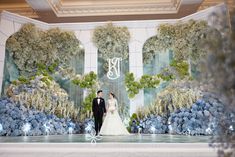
112,42
44,82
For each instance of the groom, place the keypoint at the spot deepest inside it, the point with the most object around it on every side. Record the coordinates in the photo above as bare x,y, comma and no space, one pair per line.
98,109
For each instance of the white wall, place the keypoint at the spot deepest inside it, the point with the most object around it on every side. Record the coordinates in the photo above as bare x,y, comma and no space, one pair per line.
140,31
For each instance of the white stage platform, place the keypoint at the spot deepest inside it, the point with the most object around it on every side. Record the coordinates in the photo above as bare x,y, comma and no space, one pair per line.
106,150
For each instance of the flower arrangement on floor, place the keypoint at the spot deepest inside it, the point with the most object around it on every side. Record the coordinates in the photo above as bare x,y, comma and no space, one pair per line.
44,95
177,95
17,120
199,118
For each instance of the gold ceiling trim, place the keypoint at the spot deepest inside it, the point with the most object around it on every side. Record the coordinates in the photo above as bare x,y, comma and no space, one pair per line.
18,7
209,3
69,8
24,11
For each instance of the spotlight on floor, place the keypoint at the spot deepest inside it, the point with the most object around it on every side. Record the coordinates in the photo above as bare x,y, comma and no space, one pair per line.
70,130
231,128
153,129
47,128
209,131
1,127
88,128
26,128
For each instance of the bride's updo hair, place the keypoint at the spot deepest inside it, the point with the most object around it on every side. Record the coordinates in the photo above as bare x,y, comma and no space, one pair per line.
112,94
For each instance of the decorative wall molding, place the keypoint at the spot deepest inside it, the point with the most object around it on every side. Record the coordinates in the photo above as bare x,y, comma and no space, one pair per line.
20,7
28,12
209,3
121,7
22,19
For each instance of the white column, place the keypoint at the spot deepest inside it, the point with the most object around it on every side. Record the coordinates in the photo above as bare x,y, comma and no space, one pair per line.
139,37
91,59
90,54
136,64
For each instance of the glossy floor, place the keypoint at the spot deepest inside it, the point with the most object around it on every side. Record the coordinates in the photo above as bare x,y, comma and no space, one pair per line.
134,138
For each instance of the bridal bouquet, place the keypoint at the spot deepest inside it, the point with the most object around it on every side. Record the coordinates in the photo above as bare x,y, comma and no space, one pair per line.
112,109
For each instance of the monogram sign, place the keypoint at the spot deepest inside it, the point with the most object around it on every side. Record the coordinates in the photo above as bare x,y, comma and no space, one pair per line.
114,68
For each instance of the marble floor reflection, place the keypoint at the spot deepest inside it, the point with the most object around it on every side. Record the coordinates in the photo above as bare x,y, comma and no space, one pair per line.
82,138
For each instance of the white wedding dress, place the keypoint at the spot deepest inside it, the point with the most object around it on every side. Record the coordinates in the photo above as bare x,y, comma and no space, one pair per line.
112,124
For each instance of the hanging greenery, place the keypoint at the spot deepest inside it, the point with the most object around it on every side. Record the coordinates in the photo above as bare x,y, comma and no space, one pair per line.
146,81
112,41
42,70
181,68
86,81
183,38
31,46
90,83
176,70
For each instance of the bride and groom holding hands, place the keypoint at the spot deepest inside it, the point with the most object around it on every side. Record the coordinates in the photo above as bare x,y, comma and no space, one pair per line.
112,124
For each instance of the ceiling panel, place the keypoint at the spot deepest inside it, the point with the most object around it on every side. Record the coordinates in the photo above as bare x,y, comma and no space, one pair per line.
106,10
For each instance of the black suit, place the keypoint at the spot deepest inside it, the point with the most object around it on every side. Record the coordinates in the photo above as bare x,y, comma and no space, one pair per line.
98,112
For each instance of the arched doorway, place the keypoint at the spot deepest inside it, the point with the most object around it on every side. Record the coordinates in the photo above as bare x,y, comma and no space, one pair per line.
112,83
153,66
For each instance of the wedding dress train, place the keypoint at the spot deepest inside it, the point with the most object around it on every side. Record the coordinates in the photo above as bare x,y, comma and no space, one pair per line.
112,124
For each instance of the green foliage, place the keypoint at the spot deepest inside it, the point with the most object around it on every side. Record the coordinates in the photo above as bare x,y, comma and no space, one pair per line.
184,39
23,80
46,80
41,70
86,108
87,102
177,69
14,82
86,81
112,41
146,81
132,86
52,67
31,47
133,117
166,75
89,82
181,68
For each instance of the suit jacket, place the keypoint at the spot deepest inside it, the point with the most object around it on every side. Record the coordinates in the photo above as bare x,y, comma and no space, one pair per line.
98,109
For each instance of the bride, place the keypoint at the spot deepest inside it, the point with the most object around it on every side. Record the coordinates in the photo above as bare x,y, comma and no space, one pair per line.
112,124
